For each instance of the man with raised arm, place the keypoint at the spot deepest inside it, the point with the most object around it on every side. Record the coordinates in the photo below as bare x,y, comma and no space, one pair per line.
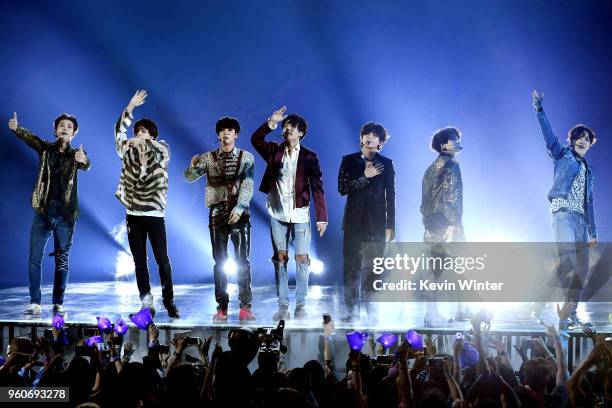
292,176
142,190
229,189
56,203
571,204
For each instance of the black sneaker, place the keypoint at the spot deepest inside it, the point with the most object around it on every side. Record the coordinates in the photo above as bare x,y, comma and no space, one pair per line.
281,314
300,312
173,311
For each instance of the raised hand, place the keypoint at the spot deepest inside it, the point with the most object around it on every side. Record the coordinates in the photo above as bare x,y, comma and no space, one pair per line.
179,343
137,100
536,99
80,156
217,352
429,343
203,348
564,311
277,116
128,348
13,124
153,332
523,349
372,170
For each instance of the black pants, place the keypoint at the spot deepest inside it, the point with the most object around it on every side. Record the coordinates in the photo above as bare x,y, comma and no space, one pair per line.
240,234
358,263
138,228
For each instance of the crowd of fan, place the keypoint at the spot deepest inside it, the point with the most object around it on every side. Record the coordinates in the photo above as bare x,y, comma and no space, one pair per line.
411,378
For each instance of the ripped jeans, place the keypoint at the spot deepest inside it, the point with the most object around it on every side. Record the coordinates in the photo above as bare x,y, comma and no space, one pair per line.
281,233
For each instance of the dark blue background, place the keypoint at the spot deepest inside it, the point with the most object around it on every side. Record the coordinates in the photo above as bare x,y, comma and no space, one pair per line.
413,65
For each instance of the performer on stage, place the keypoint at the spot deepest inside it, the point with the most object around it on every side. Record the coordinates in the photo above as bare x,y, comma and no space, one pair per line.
571,204
56,203
229,189
442,206
367,178
292,175
143,189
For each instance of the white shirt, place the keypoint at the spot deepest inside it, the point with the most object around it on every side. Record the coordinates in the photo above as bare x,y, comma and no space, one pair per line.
281,200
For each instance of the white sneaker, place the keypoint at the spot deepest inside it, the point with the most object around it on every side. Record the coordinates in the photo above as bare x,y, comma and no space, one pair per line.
32,309
59,310
147,300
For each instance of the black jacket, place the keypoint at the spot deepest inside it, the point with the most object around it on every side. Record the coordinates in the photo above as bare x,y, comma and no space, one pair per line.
370,205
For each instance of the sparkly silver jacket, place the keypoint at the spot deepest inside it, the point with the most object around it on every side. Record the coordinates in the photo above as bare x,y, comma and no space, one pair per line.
442,199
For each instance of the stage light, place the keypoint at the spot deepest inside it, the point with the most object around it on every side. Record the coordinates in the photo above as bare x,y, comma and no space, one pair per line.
356,340
414,339
124,265
317,267
230,267
387,340
58,322
104,324
469,355
121,327
142,319
93,340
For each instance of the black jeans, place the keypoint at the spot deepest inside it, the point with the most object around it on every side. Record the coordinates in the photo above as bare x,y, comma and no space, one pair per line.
240,234
358,262
138,228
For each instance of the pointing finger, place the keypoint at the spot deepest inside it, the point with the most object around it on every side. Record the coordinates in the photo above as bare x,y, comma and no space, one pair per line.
14,115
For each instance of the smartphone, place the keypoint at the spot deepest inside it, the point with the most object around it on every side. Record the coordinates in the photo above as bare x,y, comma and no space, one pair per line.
436,362
192,341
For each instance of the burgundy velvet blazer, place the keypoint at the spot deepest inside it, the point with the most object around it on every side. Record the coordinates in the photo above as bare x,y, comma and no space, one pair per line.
308,176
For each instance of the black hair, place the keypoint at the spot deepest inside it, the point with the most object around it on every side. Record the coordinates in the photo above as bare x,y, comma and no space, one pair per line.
296,121
66,117
442,136
147,124
577,131
227,122
377,128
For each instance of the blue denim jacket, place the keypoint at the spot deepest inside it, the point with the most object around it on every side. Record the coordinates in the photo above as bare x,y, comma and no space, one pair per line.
566,169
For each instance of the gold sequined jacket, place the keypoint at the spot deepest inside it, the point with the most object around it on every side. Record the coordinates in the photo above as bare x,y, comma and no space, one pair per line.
48,153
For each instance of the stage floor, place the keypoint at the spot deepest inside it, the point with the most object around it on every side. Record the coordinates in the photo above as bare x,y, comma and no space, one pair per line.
85,301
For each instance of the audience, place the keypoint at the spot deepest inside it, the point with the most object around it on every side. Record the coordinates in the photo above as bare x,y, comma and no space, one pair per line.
106,374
